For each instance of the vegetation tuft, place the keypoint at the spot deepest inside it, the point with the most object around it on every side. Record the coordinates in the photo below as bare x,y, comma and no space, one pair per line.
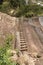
5,53
19,8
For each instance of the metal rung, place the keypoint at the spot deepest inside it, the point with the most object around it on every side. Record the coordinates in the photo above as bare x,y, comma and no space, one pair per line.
23,50
22,40
22,37
23,44
23,47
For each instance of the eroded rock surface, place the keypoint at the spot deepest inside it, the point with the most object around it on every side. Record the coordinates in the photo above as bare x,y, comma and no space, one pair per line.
7,26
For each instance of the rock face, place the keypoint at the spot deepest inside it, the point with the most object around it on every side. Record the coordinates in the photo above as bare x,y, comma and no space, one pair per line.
29,38
7,26
22,59
41,20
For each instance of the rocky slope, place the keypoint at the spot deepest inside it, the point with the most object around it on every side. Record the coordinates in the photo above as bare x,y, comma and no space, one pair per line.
7,26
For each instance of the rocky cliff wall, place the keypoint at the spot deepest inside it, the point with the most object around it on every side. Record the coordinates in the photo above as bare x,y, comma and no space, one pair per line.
7,27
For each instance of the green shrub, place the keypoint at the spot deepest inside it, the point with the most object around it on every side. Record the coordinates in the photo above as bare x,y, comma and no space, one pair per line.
5,7
29,14
4,54
24,9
